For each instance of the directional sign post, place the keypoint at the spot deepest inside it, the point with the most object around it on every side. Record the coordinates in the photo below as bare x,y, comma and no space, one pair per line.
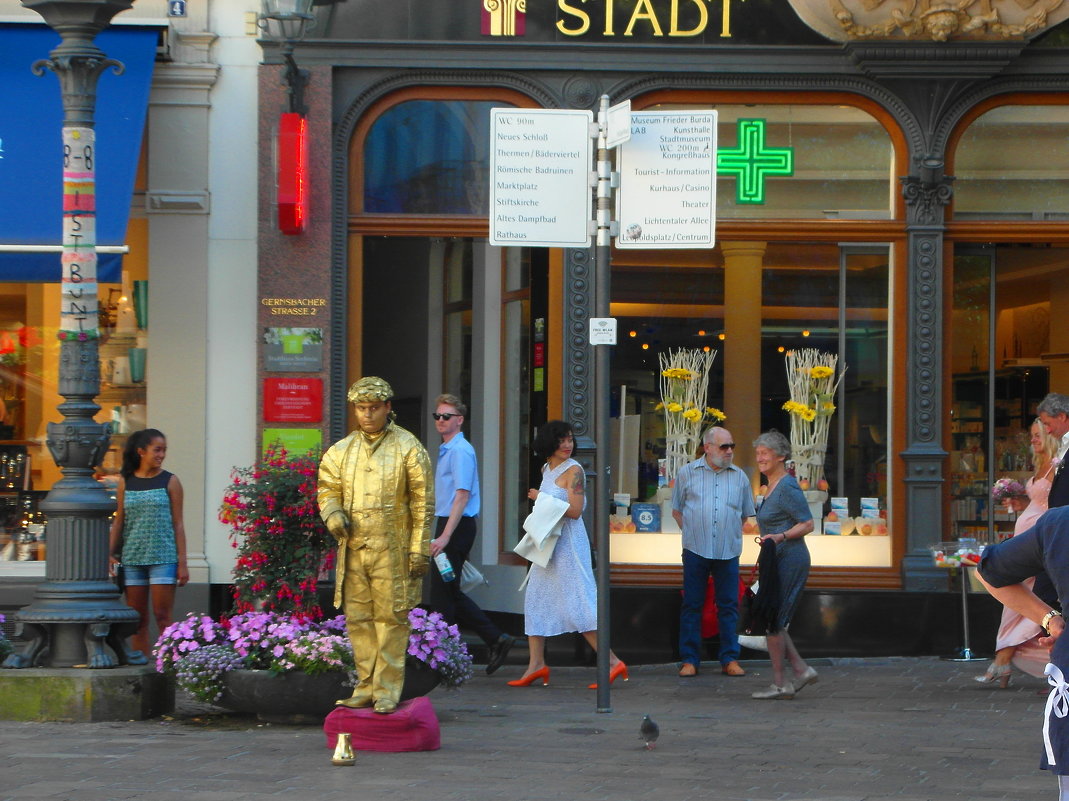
667,195
540,164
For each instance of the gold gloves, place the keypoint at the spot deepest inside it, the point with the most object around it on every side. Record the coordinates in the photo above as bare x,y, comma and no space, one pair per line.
338,526
418,565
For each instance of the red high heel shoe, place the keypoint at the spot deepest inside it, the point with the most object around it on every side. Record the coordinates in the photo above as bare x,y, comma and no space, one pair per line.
531,678
619,670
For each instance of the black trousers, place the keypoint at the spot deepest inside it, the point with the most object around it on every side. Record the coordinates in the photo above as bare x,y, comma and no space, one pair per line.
446,596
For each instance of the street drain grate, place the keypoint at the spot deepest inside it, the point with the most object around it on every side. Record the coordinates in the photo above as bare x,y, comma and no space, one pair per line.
581,731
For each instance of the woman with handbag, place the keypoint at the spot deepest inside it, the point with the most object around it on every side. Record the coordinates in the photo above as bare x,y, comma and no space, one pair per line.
562,596
148,536
784,519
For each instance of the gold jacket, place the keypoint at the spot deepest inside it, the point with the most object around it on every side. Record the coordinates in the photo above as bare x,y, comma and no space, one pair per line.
385,487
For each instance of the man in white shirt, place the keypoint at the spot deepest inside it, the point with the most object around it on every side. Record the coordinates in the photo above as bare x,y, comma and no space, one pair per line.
456,487
711,499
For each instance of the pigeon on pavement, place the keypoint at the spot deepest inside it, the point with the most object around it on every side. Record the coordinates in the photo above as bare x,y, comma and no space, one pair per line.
649,731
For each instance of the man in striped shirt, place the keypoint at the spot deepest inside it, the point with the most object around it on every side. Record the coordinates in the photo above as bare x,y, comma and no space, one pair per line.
711,499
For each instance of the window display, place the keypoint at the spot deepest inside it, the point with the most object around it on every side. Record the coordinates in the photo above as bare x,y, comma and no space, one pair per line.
823,311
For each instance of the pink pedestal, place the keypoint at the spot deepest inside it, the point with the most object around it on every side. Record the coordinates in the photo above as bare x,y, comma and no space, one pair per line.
413,727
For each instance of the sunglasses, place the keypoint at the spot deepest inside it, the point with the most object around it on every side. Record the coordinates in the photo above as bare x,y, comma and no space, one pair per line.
444,415
726,446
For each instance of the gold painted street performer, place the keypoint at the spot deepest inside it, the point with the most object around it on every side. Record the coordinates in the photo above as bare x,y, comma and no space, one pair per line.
376,496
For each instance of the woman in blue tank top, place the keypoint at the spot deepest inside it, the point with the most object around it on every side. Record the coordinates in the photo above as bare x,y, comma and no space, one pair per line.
147,533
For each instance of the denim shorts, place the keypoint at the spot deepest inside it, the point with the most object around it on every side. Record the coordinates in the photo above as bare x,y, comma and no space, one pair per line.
143,575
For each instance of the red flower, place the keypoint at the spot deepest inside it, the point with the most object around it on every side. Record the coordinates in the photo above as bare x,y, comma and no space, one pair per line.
283,546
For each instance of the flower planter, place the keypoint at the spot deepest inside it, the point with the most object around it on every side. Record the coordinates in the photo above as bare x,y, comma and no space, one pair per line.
301,698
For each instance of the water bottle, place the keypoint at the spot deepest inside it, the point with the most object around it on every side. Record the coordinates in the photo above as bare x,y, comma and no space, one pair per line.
444,568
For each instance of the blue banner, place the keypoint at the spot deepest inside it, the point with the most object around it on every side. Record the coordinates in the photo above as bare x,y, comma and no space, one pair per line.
31,148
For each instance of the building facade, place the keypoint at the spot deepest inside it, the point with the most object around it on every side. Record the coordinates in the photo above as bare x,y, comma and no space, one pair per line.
188,220
919,235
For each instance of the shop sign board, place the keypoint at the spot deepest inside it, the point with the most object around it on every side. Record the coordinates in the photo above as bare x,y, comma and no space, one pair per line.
296,441
289,350
293,400
667,194
540,166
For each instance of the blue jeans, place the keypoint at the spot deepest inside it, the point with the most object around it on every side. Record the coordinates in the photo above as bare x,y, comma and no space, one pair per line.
143,575
696,572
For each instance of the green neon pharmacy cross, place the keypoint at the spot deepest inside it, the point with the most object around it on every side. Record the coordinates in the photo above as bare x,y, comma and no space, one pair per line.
751,162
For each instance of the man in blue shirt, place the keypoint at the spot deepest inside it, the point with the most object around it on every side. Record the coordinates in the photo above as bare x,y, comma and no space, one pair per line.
711,499
456,488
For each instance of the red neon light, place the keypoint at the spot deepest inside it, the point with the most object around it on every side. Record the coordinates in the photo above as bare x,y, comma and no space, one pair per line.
292,173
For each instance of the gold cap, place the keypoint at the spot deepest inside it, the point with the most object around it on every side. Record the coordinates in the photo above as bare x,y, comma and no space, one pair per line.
369,389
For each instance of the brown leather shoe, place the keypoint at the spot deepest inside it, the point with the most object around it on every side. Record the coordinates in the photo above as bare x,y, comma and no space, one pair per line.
688,670
733,669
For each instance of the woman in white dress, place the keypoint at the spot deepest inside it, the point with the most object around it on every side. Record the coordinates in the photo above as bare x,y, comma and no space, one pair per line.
562,596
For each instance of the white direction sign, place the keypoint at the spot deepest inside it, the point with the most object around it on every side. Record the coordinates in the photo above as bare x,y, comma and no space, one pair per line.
618,122
540,165
667,194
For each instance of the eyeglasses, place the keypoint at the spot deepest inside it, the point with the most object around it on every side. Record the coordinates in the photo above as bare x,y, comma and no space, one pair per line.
445,415
726,446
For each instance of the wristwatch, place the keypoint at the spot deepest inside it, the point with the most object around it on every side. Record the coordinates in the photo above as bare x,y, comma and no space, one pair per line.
1045,622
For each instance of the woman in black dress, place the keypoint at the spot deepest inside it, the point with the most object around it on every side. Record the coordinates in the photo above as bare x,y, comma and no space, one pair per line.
1003,569
784,518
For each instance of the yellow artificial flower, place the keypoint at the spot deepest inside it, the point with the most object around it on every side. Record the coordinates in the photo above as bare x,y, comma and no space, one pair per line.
675,407
821,371
809,415
678,372
829,408
694,415
715,413
659,406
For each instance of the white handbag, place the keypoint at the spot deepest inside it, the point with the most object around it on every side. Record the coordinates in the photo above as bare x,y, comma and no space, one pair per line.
470,578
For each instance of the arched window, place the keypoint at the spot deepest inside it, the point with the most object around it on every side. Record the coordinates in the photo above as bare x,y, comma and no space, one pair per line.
1012,163
429,157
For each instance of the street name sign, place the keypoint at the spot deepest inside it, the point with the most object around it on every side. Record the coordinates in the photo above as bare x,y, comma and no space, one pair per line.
540,166
667,194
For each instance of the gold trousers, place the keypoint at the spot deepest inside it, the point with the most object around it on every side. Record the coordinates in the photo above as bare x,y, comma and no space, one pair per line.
379,634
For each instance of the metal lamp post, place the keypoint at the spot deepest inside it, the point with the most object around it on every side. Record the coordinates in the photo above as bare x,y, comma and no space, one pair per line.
286,22
77,610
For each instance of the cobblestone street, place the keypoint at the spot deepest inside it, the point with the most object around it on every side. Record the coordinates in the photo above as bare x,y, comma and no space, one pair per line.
916,729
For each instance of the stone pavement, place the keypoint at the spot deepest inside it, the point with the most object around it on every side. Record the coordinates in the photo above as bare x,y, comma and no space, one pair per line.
873,729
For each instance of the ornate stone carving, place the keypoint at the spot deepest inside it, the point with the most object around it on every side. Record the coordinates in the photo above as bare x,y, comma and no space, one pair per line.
581,92
932,20
927,193
578,297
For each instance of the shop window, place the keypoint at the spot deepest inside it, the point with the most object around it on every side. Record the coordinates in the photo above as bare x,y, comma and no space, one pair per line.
831,298
429,157
457,316
1006,348
843,162
517,460
1012,163
29,371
